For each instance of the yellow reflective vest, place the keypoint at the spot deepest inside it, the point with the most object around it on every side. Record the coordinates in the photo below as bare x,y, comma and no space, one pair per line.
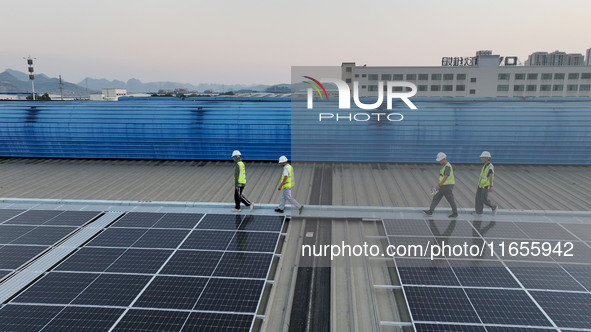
289,182
450,179
242,174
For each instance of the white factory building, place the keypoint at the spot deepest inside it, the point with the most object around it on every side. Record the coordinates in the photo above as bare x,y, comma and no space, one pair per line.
484,75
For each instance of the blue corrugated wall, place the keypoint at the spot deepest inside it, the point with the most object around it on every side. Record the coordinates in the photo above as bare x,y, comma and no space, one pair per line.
534,131
517,131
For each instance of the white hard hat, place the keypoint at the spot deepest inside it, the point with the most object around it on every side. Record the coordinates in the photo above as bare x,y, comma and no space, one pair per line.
282,159
441,156
236,153
485,154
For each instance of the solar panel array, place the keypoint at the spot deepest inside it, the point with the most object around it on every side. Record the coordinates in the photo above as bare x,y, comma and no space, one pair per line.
155,272
26,234
492,290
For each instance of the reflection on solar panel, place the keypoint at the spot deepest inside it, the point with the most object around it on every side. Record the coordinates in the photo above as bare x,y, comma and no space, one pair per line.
26,234
494,291
152,271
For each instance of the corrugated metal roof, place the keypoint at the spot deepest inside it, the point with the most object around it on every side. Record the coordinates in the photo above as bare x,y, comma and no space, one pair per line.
526,187
515,131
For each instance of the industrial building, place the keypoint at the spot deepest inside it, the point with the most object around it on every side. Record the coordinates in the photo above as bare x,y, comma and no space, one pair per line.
484,75
117,217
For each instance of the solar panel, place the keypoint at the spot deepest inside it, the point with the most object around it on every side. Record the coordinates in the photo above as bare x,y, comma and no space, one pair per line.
173,292
494,291
421,327
440,304
13,256
483,273
26,234
426,272
153,271
505,306
547,276
6,214
566,309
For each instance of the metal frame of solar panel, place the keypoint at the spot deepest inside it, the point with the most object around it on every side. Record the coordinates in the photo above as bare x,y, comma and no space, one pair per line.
25,234
157,271
494,292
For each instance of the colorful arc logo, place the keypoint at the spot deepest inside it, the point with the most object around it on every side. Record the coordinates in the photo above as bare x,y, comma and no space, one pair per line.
316,87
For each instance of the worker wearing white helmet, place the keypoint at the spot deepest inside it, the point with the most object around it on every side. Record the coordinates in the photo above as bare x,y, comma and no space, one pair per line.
485,185
287,182
239,182
444,187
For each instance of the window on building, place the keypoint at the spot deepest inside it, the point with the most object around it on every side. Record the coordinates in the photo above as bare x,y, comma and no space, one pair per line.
372,88
585,87
435,77
504,77
573,76
531,87
348,69
532,76
519,76
435,87
472,91
559,76
461,77
397,88
372,77
460,88
585,76
411,77
364,86
557,87
519,88
422,88
397,77
473,80
386,77
363,75
356,75
503,87
348,80
547,76
423,77
448,77
448,88
545,87
572,87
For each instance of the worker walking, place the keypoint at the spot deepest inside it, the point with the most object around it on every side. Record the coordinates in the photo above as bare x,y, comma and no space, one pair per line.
485,185
239,182
287,182
445,186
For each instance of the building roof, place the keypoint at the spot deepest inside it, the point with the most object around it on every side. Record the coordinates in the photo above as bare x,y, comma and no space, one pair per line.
347,201
519,187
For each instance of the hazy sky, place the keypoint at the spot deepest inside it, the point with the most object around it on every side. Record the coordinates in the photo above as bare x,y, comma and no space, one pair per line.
258,41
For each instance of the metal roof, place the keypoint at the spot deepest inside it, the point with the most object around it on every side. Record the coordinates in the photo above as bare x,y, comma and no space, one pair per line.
522,187
342,195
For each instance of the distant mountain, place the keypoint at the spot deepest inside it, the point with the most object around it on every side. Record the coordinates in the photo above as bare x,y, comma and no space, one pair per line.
136,86
12,81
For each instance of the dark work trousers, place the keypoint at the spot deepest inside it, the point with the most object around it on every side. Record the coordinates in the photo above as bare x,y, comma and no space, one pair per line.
447,191
239,197
482,199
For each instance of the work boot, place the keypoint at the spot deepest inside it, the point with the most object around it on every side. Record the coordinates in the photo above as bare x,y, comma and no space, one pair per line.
428,212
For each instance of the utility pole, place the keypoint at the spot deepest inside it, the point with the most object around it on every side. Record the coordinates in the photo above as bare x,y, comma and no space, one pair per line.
31,75
61,89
